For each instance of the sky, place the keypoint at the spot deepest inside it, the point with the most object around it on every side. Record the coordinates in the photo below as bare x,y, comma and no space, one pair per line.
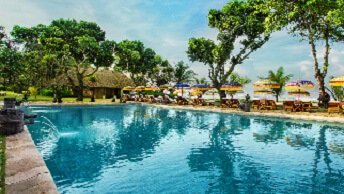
166,26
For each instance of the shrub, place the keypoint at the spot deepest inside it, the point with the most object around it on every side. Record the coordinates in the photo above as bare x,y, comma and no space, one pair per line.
46,92
66,92
33,91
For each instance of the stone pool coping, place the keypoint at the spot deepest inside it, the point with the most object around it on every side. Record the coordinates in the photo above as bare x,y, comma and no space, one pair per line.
278,115
282,115
26,171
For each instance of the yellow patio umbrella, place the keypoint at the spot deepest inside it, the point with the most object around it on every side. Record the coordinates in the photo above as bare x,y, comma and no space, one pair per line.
195,92
175,92
299,92
152,88
232,87
166,86
140,88
337,81
201,87
266,84
128,88
299,85
264,91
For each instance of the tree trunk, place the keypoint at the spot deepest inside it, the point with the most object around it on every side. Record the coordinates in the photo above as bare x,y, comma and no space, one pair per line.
321,83
276,98
92,98
80,87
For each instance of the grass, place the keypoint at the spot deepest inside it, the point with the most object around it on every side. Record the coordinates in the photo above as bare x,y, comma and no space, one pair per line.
2,163
40,98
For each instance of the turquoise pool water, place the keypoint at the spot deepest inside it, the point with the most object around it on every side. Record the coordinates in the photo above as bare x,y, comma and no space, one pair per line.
145,149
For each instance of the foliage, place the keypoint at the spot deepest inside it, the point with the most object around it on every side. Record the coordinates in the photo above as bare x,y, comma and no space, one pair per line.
161,74
238,22
338,93
33,91
235,77
280,78
138,61
202,80
10,60
183,73
46,92
92,78
66,47
316,21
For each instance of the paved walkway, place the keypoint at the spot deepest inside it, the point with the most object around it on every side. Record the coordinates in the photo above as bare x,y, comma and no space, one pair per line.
26,171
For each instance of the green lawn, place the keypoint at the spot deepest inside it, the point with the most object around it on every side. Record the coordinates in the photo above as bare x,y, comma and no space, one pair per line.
46,98
2,163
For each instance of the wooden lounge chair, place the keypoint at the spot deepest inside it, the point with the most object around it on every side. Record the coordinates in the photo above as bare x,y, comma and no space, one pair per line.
271,105
182,101
297,106
255,104
201,102
334,107
152,99
225,103
263,105
194,102
234,103
308,106
288,105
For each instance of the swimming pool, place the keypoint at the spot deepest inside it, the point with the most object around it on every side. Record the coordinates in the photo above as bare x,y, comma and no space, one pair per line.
147,149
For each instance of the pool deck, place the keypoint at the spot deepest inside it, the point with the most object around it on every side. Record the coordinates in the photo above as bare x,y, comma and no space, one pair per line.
26,171
305,116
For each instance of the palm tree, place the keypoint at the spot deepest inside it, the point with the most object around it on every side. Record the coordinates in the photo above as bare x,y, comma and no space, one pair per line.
183,73
235,77
280,78
202,80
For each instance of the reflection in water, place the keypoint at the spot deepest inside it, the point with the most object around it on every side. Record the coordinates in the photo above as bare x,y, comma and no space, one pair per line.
134,148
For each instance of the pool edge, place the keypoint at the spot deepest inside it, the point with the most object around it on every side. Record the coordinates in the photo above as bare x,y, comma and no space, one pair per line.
26,171
333,120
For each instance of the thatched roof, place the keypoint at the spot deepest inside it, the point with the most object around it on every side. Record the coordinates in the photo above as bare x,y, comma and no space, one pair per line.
103,79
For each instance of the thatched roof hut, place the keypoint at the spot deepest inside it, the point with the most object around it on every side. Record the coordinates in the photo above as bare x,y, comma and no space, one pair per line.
105,83
104,79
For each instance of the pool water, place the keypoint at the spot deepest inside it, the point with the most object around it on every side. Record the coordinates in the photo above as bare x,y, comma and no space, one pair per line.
147,149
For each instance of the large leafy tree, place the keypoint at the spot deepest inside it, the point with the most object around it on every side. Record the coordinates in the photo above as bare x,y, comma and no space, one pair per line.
72,46
183,73
238,22
138,61
319,22
161,74
10,60
279,77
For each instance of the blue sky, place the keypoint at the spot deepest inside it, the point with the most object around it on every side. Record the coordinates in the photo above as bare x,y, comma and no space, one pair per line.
166,26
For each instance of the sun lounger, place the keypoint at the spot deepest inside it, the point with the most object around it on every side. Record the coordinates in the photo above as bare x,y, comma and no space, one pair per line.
199,102
288,105
255,104
182,101
271,105
334,107
225,103
210,102
263,105
308,106
297,106
234,103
